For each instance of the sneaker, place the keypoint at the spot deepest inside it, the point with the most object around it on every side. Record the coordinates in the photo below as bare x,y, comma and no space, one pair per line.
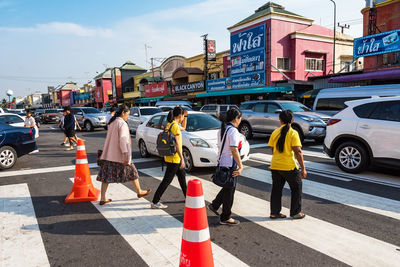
159,205
34,151
211,207
69,148
62,144
66,144
230,222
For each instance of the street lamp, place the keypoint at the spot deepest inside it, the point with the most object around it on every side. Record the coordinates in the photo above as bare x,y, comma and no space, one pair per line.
334,34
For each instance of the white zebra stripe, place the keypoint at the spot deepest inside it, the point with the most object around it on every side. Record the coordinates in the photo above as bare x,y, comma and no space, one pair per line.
196,236
195,202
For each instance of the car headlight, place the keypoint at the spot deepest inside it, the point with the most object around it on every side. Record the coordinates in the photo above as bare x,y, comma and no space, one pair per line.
199,142
309,119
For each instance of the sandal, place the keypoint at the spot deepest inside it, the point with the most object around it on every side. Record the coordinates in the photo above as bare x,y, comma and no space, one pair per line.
279,216
105,202
144,194
298,216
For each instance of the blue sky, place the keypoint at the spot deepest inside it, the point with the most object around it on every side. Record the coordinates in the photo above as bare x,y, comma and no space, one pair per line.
51,42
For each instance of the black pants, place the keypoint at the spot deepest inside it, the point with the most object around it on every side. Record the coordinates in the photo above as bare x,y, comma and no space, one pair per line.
224,198
172,169
278,182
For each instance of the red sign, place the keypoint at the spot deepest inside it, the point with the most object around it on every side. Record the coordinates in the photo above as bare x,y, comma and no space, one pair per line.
156,89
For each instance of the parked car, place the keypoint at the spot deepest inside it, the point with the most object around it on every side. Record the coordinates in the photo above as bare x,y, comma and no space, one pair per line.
199,141
366,132
331,101
139,115
14,143
19,112
263,117
3,110
12,119
168,108
218,111
196,108
89,118
174,103
50,116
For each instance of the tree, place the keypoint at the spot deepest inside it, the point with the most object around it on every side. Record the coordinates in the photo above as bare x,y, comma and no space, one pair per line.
14,100
3,103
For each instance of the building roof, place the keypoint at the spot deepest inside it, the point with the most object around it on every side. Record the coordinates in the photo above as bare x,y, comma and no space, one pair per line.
129,65
69,86
104,75
151,79
266,9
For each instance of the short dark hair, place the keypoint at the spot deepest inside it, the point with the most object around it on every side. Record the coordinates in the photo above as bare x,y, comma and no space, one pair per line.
112,109
67,108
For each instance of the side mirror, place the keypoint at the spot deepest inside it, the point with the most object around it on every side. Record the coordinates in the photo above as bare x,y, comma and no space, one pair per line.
136,114
278,111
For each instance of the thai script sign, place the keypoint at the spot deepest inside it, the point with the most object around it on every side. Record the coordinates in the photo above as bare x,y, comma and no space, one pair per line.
248,40
249,80
219,84
211,50
156,89
381,43
81,96
189,87
249,62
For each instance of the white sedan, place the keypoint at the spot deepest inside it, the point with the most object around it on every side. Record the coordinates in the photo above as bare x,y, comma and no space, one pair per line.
12,119
199,141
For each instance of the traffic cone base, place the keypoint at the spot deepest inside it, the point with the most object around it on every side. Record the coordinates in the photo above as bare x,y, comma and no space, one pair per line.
92,195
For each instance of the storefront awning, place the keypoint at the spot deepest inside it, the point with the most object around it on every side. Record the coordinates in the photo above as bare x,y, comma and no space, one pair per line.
390,74
180,97
149,99
259,90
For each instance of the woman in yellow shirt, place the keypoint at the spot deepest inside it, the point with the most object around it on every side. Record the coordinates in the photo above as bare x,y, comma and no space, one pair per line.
286,145
175,163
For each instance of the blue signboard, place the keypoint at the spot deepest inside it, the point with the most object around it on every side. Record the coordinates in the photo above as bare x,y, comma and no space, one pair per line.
219,84
248,62
248,80
248,40
381,43
81,96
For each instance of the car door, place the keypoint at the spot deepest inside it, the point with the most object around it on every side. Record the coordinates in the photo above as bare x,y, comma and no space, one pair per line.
258,117
153,128
271,119
79,115
135,120
15,120
381,129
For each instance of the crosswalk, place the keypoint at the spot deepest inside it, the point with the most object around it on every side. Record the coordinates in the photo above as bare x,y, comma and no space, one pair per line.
155,235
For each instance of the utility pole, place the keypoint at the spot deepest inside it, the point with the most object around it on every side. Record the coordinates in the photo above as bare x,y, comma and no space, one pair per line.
146,47
334,35
205,56
152,67
345,26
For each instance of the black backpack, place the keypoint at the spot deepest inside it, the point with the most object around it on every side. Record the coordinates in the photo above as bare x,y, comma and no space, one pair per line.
166,144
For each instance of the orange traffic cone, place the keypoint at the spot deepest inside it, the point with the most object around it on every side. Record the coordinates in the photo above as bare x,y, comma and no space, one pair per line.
83,189
196,242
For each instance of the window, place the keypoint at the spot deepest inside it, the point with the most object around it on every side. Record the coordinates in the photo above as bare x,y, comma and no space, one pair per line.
223,108
363,111
164,122
14,119
246,106
149,111
387,111
259,107
315,64
271,108
283,63
4,119
213,75
347,65
154,122
391,59
133,111
334,103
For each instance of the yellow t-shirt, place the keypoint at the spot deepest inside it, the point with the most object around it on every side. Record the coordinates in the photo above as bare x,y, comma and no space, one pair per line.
284,161
176,130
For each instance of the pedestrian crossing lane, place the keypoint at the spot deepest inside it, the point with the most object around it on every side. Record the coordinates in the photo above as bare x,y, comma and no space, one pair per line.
335,241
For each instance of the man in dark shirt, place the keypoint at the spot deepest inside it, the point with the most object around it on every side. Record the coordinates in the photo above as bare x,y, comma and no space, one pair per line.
69,127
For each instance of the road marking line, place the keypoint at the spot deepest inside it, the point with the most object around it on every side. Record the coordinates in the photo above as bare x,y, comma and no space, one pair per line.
154,234
305,151
63,168
363,201
259,145
337,242
328,169
20,241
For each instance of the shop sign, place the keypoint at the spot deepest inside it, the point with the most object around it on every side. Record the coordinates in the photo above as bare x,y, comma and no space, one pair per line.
247,63
156,89
81,96
211,50
219,84
381,43
248,40
189,87
98,95
249,80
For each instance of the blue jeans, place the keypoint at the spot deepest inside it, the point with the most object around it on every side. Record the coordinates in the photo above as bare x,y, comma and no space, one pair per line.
33,136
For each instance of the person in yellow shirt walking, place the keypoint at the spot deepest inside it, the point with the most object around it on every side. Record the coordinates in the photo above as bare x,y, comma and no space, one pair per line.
286,145
177,119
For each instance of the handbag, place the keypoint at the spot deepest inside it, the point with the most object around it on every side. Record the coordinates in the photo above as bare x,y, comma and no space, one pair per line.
223,175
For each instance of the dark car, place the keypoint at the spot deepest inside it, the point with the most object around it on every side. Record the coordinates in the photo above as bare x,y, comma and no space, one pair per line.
14,143
50,116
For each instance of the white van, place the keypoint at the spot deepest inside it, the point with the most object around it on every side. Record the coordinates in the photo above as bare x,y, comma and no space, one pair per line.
331,101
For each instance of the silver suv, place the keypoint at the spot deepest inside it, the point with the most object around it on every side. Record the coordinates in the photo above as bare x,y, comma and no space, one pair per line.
218,111
263,117
89,118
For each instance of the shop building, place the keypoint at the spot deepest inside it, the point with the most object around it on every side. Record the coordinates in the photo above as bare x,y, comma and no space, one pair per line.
103,90
64,93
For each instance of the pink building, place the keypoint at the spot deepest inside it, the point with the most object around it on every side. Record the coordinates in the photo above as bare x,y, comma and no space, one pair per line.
103,89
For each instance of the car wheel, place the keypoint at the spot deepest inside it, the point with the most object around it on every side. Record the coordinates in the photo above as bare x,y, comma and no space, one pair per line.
245,129
8,157
188,160
143,149
88,126
301,135
351,157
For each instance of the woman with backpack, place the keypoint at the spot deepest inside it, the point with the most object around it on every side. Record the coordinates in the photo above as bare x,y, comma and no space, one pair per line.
116,159
286,145
229,146
177,119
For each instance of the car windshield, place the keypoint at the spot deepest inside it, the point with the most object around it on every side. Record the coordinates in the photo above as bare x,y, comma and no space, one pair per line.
51,111
201,122
149,111
294,106
91,110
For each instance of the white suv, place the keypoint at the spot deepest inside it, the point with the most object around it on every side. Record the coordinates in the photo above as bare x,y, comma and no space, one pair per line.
366,132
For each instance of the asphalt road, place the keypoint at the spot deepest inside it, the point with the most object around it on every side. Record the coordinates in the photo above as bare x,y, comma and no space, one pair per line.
351,219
